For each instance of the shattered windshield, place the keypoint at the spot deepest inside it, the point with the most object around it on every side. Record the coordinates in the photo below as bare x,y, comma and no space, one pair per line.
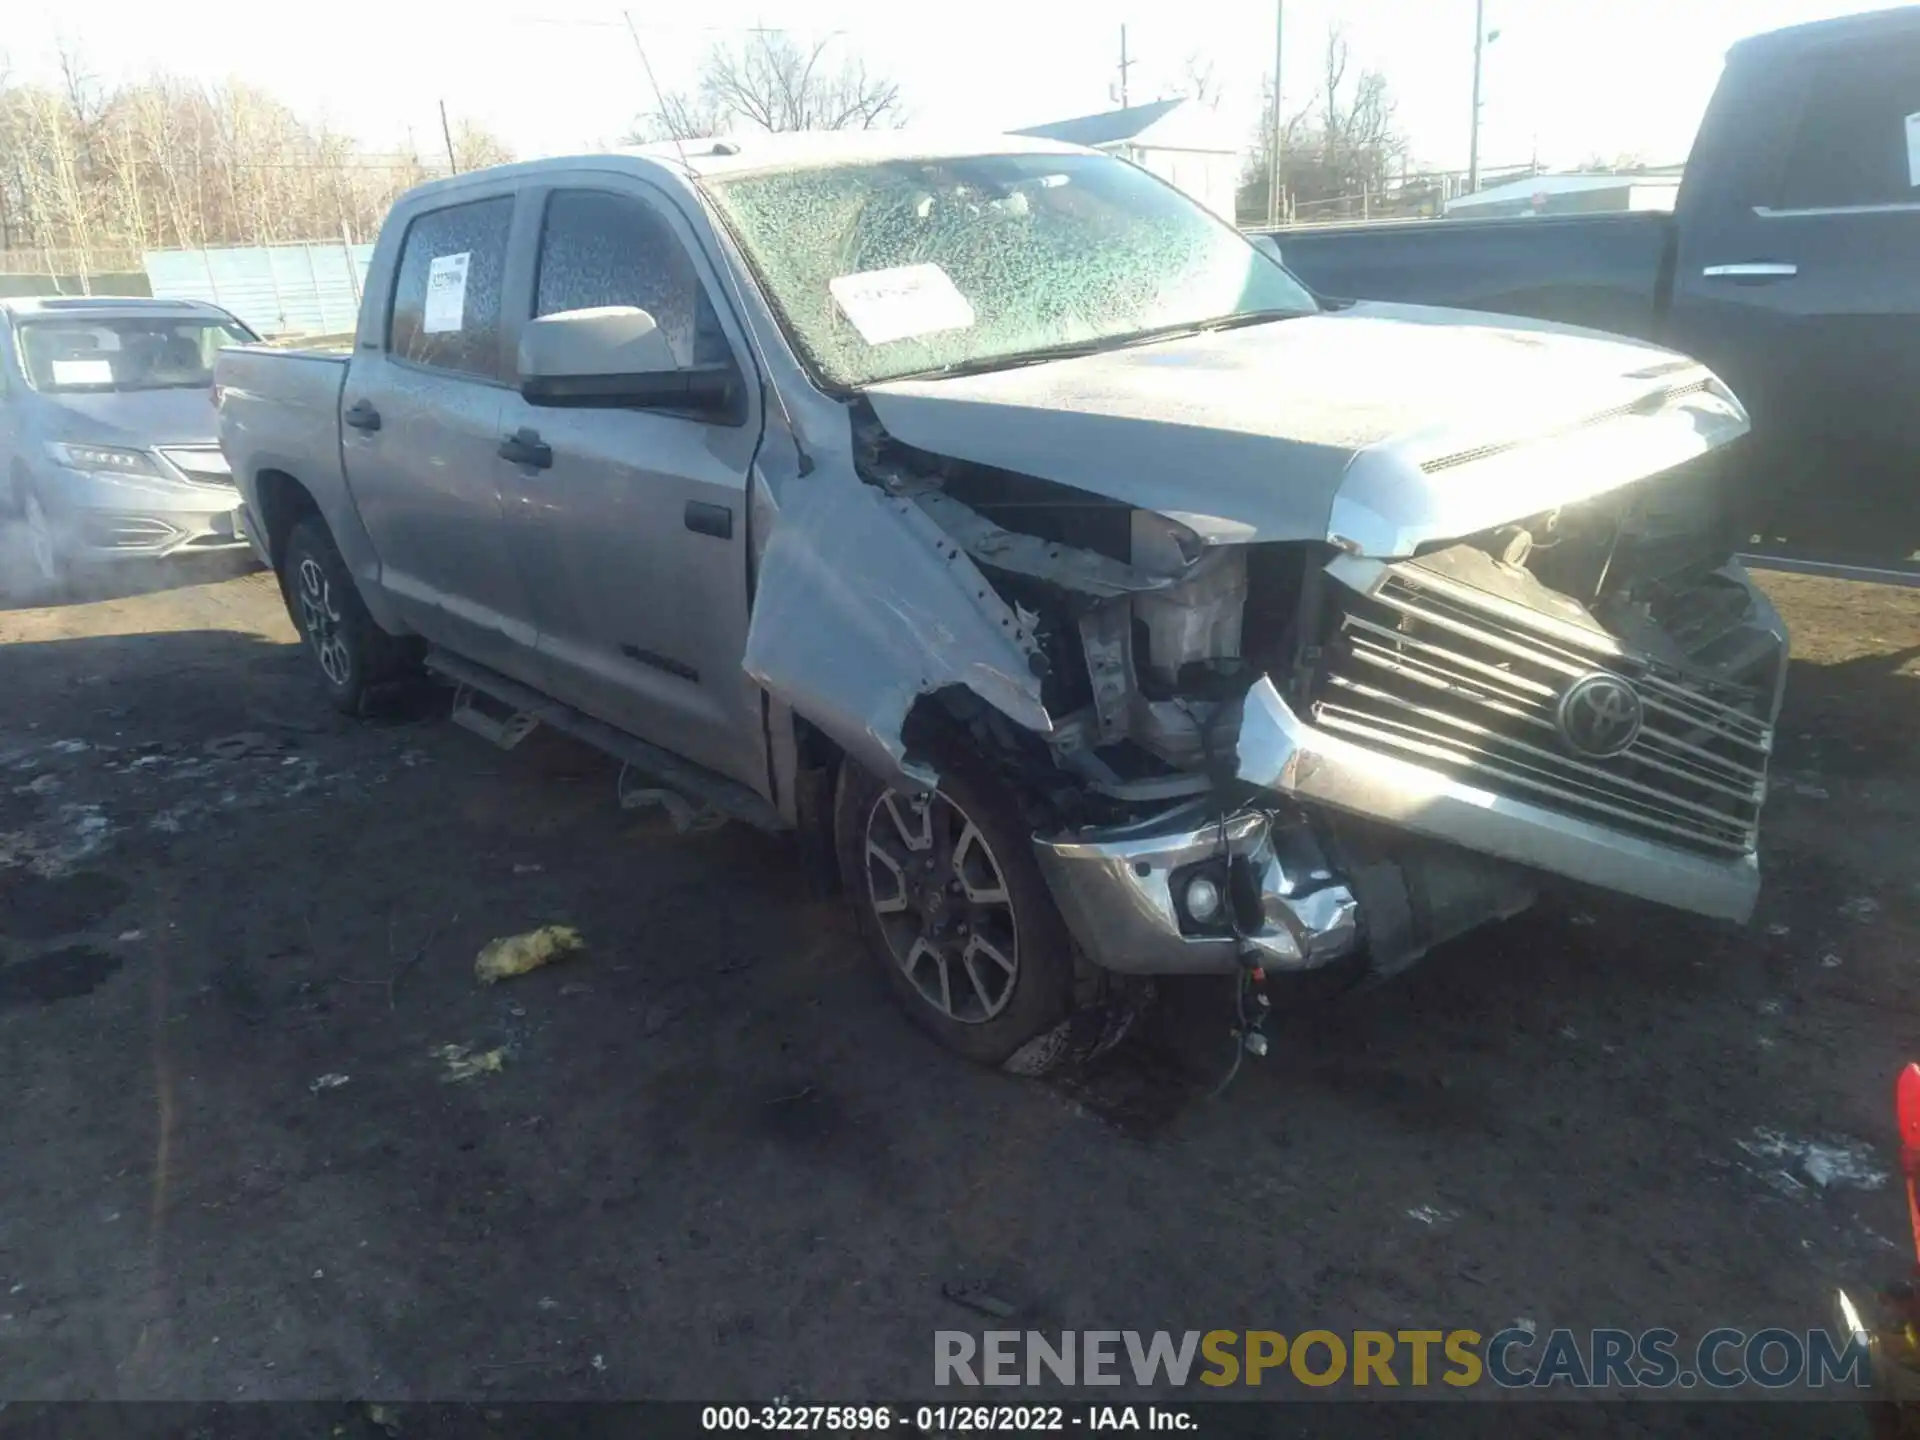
909,266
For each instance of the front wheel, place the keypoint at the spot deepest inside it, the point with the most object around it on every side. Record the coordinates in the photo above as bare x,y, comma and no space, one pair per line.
953,909
352,652
45,549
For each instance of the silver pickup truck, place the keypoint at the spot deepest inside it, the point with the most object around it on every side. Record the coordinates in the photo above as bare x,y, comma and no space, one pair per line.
1092,599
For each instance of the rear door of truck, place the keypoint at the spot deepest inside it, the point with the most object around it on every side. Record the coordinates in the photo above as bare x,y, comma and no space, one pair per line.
630,524
420,427
1799,280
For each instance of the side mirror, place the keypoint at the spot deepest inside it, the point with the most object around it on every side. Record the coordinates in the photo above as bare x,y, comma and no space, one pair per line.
1269,246
614,356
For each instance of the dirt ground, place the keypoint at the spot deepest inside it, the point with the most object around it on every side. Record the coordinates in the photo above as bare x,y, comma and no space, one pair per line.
715,1163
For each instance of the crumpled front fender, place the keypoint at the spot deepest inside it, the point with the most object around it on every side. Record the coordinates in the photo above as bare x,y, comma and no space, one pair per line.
863,604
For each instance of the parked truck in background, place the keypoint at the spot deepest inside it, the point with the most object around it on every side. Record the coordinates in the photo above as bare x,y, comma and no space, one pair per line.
1790,264
1010,528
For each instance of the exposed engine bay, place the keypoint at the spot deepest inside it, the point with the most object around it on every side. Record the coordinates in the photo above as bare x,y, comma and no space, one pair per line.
1241,732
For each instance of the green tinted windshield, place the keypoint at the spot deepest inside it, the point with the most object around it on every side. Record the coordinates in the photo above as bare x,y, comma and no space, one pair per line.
894,268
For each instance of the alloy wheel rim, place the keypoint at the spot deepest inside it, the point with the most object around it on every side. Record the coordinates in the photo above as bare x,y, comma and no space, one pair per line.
320,618
940,896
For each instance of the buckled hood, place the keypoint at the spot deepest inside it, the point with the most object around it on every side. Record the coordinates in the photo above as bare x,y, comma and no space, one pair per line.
1378,426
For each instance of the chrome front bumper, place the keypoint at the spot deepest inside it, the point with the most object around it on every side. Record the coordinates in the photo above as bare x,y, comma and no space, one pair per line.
1120,891
1281,752
116,535
100,519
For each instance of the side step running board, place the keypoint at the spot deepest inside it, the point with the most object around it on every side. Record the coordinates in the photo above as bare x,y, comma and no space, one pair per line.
530,707
506,732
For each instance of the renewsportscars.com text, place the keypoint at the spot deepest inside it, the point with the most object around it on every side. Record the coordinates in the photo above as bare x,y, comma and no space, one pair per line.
1514,1358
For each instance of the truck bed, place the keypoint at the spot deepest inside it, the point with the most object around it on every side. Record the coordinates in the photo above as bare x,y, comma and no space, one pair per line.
280,412
311,344
1606,272
274,399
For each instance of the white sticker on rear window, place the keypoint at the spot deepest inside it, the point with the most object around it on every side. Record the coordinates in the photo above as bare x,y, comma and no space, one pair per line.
83,372
1913,150
446,305
901,303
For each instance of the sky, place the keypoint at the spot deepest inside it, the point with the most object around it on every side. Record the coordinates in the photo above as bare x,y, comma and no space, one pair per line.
1565,80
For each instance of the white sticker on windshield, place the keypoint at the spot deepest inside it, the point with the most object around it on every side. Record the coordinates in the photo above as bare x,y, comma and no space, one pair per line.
901,303
83,372
446,304
1913,150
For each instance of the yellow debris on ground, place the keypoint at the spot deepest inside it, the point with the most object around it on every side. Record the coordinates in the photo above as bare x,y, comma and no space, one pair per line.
463,1062
517,954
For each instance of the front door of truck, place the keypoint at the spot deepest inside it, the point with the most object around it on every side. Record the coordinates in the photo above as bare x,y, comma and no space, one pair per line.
1801,284
420,427
630,524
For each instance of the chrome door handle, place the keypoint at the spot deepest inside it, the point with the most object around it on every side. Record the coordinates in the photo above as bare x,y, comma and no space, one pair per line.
1753,270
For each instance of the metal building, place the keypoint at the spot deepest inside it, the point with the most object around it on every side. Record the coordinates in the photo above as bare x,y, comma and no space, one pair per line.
306,288
1182,142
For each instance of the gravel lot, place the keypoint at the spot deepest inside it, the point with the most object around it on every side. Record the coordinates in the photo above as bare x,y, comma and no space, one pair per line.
715,1163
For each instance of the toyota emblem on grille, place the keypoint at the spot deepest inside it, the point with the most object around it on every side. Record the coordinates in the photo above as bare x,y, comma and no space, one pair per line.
1599,715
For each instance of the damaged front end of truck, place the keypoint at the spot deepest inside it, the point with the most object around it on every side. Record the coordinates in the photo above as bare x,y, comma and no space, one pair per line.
1287,733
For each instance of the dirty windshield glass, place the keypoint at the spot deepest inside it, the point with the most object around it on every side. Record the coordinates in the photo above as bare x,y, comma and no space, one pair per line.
895,268
142,353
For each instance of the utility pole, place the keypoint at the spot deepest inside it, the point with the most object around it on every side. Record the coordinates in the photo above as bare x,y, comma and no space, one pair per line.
1125,65
1273,158
447,135
1479,50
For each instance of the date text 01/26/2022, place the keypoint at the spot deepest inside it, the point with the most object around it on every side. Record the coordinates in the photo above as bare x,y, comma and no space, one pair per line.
945,1419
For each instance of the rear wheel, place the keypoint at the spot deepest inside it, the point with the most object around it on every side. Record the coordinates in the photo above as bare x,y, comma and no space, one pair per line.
954,911
350,650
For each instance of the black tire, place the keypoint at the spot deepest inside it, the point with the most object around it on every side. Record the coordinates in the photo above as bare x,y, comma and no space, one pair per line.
1039,993
351,653
47,555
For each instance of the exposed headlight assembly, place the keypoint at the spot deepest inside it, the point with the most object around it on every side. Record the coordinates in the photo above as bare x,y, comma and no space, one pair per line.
103,459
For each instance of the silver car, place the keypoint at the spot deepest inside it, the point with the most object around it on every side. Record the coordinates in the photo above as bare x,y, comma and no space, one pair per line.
107,430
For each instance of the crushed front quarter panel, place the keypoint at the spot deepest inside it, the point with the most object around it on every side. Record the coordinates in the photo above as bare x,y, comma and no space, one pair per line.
863,605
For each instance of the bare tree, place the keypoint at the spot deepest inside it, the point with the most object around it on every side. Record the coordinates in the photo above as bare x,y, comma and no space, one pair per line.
679,116
1630,163
1341,150
77,84
1200,82
91,175
1295,131
475,147
770,81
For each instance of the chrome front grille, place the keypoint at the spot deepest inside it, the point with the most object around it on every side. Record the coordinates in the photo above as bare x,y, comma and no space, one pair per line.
1452,678
203,464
